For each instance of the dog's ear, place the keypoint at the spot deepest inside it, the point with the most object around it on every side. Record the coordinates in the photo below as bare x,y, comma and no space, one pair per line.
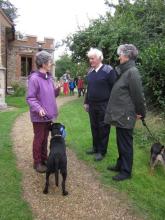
63,126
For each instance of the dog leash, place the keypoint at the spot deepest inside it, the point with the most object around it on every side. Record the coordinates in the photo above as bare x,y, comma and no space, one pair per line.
151,135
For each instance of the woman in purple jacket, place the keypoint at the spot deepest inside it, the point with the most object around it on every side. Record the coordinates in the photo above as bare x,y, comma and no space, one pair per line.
43,108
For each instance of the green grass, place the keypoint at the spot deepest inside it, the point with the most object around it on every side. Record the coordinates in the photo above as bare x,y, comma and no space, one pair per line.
145,191
18,102
12,205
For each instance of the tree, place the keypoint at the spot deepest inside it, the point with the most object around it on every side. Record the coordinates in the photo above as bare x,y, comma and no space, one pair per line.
141,23
9,9
65,63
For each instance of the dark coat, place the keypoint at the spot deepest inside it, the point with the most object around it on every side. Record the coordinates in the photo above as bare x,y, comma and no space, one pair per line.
99,84
127,99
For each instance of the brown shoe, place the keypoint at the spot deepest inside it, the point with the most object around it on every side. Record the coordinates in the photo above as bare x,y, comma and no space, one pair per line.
40,168
44,162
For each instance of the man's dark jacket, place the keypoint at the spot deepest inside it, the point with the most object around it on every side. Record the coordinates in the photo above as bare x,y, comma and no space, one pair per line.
99,84
127,99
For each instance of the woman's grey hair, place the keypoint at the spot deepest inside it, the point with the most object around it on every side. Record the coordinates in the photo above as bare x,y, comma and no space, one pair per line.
128,50
95,52
42,57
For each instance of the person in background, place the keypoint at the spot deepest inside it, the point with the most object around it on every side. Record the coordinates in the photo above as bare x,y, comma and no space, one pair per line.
72,86
59,84
66,76
41,98
100,80
66,87
76,80
80,86
85,85
126,104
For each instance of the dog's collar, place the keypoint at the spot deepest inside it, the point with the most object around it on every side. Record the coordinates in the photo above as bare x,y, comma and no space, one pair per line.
56,135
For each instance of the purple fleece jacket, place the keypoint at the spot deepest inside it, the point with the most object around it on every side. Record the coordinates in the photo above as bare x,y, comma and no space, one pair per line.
41,95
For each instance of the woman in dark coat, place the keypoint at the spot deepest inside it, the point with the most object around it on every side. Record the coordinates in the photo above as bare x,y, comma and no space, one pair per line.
126,104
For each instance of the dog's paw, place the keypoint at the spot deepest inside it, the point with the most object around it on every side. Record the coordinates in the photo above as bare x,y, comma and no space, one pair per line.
65,193
45,191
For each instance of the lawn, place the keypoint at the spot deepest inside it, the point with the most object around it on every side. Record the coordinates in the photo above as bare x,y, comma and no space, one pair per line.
145,191
12,205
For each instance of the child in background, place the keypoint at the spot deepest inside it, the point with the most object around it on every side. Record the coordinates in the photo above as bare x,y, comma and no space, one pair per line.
66,87
72,86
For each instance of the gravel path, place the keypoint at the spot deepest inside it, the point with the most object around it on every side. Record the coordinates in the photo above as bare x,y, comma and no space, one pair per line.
87,199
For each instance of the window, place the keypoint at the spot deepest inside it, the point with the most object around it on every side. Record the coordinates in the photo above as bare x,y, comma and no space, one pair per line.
26,65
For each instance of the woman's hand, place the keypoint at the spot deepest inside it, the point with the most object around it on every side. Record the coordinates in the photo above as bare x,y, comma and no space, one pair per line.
138,117
42,113
59,85
86,107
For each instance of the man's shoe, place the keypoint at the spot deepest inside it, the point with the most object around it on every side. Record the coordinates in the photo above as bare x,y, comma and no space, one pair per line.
40,168
98,157
90,151
121,177
113,168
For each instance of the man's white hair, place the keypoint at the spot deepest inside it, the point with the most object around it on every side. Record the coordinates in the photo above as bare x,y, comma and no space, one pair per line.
95,52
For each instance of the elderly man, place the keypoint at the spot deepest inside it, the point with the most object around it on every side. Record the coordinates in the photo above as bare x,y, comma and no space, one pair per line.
126,104
43,108
100,80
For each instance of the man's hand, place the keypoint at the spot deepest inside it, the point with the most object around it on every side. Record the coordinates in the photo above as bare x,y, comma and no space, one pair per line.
86,107
42,113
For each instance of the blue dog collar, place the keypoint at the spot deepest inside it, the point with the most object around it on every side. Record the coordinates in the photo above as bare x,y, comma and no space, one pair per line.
63,132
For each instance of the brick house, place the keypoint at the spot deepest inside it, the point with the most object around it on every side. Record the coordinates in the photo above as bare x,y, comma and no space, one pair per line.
17,52
21,56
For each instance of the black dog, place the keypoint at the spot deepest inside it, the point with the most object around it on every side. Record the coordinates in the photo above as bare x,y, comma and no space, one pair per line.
157,155
57,159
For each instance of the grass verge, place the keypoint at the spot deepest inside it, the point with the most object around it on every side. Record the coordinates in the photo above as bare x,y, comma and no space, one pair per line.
145,191
12,205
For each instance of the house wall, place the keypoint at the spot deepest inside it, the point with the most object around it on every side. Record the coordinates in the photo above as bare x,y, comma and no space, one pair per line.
27,47
3,45
4,24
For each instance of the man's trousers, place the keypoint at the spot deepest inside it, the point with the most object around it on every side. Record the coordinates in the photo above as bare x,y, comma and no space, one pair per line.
100,130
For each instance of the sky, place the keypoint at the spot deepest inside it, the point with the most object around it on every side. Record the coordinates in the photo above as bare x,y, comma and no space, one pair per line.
56,18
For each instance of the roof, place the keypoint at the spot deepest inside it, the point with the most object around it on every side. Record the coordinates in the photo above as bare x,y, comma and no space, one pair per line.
5,20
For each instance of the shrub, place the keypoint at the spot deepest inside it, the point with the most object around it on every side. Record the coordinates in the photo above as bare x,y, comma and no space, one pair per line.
19,90
153,73
141,23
